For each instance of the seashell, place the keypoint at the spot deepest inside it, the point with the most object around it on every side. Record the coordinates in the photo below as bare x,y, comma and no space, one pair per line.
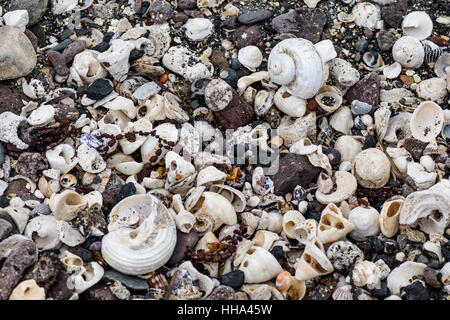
342,120
343,293
263,101
116,117
398,127
68,180
261,184
89,275
343,72
427,121
428,209
289,104
62,158
346,17
427,162
392,71
417,24
183,62
87,68
433,248
366,15
434,89
389,217
271,221
359,107
185,221
143,92
329,98
204,245
382,116
333,226
318,159
441,66
371,168
245,82
90,159
150,147
68,234
422,179
118,158
142,235
283,281
291,220
304,146
215,211
42,115
42,230
313,262
366,222
409,52
324,183
181,173
123,104
193,276
210,175
348,147
198,28
366,273
128,147
27,290
345,186
343,254
115,59
298,65
403,275
259,265
234,196
129,168
265,239
297,290
372,60
250,57
66,205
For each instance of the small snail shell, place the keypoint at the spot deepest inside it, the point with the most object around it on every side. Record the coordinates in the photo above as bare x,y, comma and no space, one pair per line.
250,57
409,52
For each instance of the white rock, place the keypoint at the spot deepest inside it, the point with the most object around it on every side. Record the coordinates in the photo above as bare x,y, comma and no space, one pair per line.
17,18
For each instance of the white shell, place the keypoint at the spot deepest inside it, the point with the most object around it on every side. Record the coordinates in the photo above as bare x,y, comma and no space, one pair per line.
42,115
142,249
366,15
166,131
28,290
328,93
441,68
87,68
62,158
292,130
366,273
181,173
398,127
115,59
210,175
313,262
333,226
403,275
88,276
434,89
90,159
366,223
250,57
427,121
342,120
42,230
128,147
409,52
417,24
198,28
422,179
123,104
183,62
204,282
259,265
372,168
343,72
345,186
68,234
348,147
389,217
296,64
291,219
382,116
430,209
289,104
304,146
66,205
215,211
236,197
392,71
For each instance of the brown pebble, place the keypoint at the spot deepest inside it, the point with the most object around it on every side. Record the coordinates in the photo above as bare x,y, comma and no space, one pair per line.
407,79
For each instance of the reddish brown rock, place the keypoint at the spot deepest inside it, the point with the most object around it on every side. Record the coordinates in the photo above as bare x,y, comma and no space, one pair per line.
366,90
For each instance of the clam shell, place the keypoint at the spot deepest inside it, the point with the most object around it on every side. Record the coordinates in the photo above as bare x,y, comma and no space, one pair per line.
392,71
417,24
427,121
434,89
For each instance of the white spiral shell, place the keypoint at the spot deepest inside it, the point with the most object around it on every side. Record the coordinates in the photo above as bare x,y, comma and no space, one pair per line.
140,250
296,64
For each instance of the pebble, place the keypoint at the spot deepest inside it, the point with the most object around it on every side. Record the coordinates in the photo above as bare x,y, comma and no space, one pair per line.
62,45
431,278
60,291
374,244
99,291
415,147
99,89
361,45
130,282
160,11
30,164
406,79
45,271
393,14
294,169
5,229
33,39
416,291
2,153
222,293
234,279
247,36
254,16
366,90
73,49
187,4
21,258
126,190
17,55
35,8
59,62
185,241
385,40
381,292
305,23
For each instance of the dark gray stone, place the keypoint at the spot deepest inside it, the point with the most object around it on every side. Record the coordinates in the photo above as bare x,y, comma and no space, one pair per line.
99,89
234,279
30,164
5,229
254,16
128,281
385,40
35,8
393,14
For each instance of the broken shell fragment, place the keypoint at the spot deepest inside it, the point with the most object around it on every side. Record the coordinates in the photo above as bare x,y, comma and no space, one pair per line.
333,226
259,265
28,290
366,15
66,205
215,211
289,104
403,275
313,262
345,186
392,71
434,89
427,121
198,28
389,217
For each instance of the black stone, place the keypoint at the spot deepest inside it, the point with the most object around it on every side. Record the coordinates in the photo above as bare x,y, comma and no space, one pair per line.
99,89
102,47
84,254
374,244
333,155
416,291
390,246
128,281
254,16
61,46
126,190
230,77
277,252
136,54
313,215
234,279
4,202
446,251
66,34
382,292
235,64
